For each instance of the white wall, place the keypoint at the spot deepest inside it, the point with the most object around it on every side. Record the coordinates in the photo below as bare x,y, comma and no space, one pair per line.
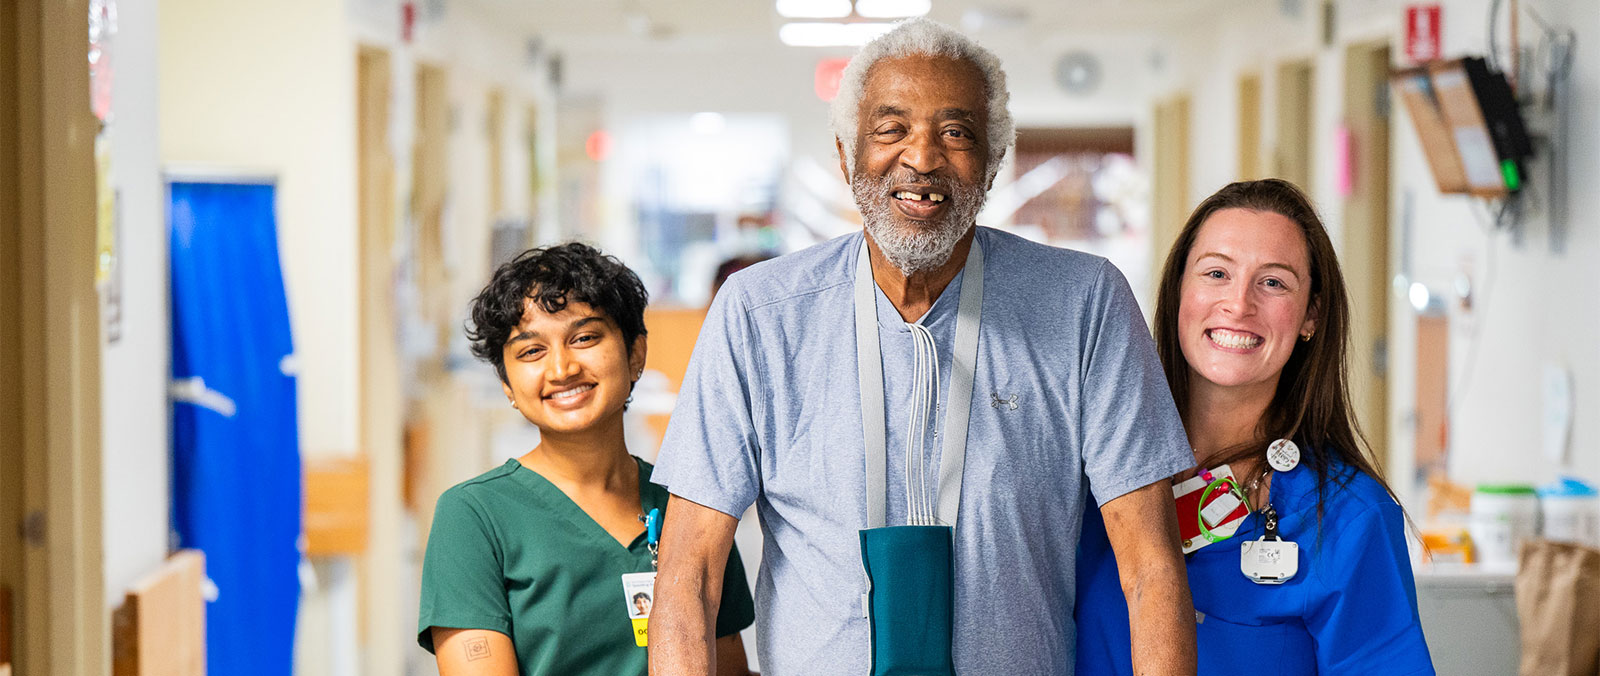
1127,77
135,369
1541,304
1535,305
269,86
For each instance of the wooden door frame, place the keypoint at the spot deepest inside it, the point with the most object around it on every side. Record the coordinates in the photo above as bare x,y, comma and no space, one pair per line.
1364,244
1170,204
381,401
50,341
1249,103
494,116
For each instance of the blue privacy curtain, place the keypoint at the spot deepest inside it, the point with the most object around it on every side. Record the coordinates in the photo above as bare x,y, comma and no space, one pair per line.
236,456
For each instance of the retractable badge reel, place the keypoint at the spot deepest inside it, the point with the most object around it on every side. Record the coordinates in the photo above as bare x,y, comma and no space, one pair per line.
1271,559
639,589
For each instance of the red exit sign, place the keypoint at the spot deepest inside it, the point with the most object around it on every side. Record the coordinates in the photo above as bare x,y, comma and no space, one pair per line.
1423,27
830,73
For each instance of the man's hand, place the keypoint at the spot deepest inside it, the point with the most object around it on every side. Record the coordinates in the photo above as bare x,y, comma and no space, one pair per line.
695,541
473,652
731,660
1143,530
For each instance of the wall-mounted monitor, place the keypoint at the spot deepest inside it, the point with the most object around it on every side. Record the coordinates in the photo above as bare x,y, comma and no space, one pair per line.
1467,119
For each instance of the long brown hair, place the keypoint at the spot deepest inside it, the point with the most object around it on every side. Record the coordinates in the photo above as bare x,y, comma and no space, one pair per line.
1312,401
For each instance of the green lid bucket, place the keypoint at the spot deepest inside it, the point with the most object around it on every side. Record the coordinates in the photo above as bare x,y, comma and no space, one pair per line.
1506,489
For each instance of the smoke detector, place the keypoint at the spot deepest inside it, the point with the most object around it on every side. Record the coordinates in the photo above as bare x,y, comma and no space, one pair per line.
1078,73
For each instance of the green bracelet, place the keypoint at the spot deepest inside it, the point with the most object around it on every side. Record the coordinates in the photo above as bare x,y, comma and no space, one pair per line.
1233,487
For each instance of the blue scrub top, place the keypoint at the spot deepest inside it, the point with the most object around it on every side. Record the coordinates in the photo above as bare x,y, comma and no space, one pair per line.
1351,608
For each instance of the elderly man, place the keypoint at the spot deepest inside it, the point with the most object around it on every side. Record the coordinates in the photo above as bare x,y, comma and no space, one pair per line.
920,479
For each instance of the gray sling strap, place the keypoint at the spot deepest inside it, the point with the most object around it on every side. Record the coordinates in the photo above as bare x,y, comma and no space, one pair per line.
869,368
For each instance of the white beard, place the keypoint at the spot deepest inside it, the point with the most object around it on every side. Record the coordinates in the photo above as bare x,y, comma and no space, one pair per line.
913,248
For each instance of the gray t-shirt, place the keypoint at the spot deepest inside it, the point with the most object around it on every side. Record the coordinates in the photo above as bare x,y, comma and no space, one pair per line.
1068,387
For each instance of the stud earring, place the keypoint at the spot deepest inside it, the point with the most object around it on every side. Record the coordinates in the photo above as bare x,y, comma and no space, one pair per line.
1306,337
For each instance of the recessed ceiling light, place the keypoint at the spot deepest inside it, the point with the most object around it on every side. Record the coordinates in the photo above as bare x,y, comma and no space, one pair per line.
814,9
831,34
892,9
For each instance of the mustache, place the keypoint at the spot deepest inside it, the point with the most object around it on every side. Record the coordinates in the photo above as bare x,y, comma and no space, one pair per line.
911,177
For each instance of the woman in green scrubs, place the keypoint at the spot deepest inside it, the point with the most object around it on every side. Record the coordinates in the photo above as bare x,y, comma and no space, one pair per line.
525,563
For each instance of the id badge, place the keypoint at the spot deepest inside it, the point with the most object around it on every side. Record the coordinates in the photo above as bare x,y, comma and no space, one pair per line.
1269,561
1223,512
639,591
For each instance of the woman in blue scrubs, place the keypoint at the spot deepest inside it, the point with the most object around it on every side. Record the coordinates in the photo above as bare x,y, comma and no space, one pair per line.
1251,322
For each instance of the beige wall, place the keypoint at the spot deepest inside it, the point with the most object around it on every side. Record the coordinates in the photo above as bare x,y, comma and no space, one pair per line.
234,94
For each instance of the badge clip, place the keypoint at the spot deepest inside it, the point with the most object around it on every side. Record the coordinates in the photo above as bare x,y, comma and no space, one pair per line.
652,534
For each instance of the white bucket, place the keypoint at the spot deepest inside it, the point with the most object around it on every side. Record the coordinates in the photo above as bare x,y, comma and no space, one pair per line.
1503,517
1571,512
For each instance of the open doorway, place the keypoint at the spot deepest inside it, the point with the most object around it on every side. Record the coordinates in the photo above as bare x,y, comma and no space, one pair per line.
1080,188
1071,208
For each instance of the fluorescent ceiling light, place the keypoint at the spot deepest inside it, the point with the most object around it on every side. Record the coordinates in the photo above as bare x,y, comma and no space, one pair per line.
708,124
831,34
892,9
814,9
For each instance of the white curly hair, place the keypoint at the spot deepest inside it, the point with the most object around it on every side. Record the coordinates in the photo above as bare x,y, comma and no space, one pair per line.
931,38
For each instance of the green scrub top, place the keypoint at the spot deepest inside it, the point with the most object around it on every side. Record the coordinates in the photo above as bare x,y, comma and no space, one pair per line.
509,552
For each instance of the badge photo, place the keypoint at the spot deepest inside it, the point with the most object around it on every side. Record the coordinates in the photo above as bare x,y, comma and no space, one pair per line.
639,592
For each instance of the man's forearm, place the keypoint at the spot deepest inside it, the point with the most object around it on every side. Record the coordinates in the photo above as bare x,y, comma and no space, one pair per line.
1161,615
1143,529
681,642
694,553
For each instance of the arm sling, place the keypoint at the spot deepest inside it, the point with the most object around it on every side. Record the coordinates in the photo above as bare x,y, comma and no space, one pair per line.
910,602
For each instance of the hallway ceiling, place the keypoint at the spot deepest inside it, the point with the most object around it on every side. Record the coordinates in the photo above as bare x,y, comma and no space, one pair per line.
690,23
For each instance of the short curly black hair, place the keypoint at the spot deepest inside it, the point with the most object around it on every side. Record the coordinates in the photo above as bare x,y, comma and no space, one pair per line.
554,276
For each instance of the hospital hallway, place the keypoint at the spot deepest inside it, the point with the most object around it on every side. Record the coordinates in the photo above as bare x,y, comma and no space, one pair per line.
239,243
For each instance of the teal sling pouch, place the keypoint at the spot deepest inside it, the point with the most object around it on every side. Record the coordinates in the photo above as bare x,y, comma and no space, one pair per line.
910,570
911,599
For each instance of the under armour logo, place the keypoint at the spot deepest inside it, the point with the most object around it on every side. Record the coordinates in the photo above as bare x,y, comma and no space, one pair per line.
996,402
